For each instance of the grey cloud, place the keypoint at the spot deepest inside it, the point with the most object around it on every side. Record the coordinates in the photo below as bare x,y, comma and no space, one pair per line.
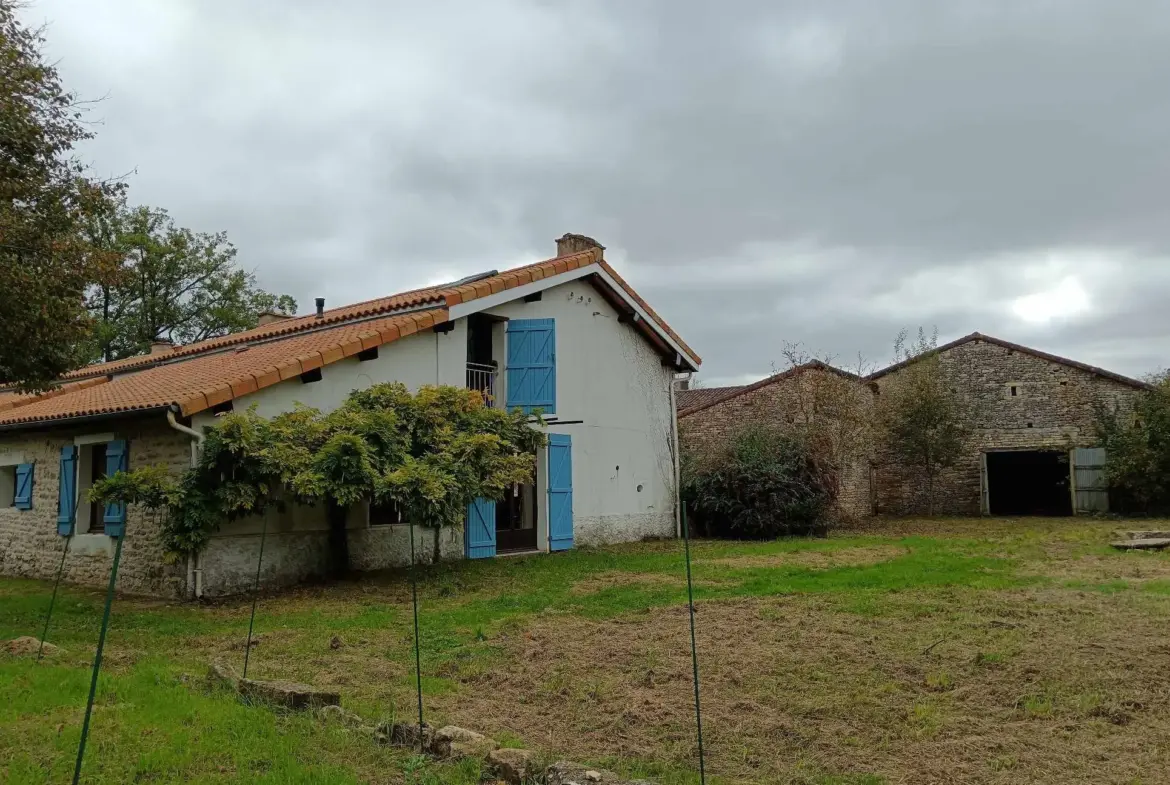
762,171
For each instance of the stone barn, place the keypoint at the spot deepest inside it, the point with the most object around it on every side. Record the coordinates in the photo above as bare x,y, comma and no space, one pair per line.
1032,422
807,393
1032,449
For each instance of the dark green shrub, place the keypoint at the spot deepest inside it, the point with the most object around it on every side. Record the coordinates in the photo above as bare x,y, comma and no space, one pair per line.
764,482
1137,451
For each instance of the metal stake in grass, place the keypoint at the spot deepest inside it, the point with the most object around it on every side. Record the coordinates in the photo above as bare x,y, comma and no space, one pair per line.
53,601
255,596
694,648
97,660
417,656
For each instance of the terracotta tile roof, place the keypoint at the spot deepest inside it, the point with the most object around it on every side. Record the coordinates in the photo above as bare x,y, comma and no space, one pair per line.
210,379
1092,369
689,399
735,392
202,375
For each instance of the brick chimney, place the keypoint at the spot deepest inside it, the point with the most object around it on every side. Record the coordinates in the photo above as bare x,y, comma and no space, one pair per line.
569,244
159,346
268,317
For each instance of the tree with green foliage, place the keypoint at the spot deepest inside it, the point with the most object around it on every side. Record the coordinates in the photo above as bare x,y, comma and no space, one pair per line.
1137,450
46,264
432,453
920,413
171,284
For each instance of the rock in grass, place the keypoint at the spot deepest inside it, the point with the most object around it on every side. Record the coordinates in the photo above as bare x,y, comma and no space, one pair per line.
223,675
511,765
564,773
452,741
28,645
1142,535
288,694
1152,544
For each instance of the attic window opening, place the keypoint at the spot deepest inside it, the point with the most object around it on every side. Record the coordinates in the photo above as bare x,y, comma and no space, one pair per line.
222,408
366,354
308,377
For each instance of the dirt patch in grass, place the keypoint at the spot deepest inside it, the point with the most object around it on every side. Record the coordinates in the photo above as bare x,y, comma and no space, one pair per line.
1135,568
996,687
814,560
609,580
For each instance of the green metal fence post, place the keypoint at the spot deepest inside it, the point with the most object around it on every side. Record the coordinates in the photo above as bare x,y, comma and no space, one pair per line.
53,601
97,660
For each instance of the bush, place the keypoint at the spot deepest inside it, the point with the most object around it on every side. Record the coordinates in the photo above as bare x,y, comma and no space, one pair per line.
1137,451
764,482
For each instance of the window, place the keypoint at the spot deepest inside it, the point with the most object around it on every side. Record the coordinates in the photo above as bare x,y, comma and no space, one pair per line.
385,514
7,486
1014,391
93,461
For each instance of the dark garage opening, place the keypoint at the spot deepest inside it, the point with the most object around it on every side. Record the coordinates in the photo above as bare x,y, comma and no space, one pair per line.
1031,482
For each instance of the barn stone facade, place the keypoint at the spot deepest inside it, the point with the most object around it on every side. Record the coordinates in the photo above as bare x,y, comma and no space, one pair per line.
1016,399
1021,404
793,399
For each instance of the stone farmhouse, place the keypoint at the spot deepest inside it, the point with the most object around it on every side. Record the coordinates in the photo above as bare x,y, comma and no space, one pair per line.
567,336
1031,417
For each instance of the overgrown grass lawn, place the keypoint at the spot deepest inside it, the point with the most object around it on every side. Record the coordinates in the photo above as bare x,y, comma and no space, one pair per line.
979,651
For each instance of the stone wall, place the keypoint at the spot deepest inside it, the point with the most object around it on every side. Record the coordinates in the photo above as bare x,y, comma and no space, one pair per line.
1053,408
29,543
794,400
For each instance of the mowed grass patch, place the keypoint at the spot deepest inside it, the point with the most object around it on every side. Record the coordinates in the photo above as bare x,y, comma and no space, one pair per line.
1005,650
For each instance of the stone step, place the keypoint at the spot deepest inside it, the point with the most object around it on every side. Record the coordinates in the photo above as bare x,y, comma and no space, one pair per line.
1152,544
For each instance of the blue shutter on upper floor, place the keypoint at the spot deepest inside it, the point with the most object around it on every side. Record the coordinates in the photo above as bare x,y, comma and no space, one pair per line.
560,492
117,460
67,491
532,365
480,529
23,495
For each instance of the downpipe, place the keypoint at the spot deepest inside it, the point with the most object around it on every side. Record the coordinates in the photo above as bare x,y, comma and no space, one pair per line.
194,560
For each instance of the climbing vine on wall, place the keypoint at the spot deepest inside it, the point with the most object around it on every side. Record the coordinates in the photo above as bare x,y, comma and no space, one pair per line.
431,453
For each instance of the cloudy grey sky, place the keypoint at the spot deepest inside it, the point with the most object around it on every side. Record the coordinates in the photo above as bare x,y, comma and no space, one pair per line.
762,171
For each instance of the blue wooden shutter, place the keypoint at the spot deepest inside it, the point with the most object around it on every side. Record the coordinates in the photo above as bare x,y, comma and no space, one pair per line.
22,499
480,529
560,492
117,460
532,365
67,492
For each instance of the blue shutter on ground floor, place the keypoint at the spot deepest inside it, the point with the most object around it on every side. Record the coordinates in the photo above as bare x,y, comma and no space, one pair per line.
117,460
532,365
67,492
23,494
560,492
480,529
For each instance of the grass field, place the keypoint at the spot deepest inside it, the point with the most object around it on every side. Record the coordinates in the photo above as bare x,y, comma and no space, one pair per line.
917,651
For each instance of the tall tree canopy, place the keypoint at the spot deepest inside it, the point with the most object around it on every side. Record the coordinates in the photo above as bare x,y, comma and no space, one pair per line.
46,264
171,284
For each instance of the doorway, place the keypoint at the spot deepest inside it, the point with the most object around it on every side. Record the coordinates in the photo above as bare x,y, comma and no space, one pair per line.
516,520
1029,482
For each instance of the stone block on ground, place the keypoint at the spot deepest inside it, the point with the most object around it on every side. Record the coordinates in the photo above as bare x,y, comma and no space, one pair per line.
511,765
566,773
1155,534
452,741
220,674
1153,544
288,694
29,645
